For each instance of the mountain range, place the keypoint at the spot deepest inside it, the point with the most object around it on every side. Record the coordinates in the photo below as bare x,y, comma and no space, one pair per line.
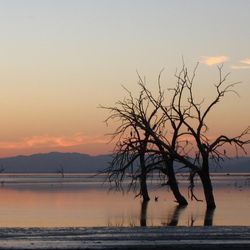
54,162
82,163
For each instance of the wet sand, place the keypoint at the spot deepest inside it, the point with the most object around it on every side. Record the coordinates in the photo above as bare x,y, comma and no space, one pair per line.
126,238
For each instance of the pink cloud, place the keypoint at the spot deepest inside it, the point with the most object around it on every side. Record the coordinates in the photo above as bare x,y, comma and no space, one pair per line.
47,141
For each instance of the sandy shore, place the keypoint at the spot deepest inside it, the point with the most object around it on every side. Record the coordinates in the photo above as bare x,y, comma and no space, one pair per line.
126,238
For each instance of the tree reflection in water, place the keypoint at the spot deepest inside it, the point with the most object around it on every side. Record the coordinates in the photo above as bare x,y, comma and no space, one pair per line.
174,217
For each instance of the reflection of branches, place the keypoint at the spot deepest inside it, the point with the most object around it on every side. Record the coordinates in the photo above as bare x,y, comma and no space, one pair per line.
191,220
174,217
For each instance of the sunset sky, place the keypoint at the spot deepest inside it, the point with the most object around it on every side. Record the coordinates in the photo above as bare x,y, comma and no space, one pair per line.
61,59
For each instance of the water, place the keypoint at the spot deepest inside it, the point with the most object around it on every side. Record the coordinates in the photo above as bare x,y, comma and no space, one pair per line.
82,200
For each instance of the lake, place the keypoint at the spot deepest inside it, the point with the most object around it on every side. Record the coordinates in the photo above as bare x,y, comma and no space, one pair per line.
82,200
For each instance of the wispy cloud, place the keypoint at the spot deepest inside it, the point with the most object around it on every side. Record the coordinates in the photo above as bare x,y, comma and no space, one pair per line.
245,61
243,64
46,141
212,60
240,67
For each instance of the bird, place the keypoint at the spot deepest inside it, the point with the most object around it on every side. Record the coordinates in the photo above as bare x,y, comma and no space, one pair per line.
156,198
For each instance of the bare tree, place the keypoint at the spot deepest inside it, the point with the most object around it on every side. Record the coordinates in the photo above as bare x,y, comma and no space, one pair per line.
193,115
171,127
147,117
130,162
130,156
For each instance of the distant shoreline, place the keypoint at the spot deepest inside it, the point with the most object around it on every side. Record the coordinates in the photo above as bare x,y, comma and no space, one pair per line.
56,162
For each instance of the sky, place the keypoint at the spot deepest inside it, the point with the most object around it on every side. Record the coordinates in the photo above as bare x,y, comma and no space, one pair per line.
61,59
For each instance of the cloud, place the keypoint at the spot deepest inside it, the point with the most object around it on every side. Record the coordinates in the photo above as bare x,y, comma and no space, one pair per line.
243,64
240,67
212,60
46,141
246,61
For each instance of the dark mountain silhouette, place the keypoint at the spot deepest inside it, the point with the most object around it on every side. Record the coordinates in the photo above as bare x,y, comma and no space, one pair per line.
54,162
83,163
234,165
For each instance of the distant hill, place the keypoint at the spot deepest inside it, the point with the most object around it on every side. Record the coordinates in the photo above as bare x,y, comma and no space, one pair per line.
52,162
83,163
235,165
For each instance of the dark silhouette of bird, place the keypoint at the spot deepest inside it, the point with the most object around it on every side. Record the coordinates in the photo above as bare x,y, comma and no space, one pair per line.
156,198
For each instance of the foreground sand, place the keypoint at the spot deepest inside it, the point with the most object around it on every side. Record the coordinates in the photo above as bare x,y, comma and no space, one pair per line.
126,238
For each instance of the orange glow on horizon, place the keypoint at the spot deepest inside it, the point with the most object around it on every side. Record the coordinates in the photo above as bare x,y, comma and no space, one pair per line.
44,144
79,143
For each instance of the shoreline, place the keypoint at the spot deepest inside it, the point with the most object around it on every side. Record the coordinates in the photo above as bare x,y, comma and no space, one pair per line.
215,237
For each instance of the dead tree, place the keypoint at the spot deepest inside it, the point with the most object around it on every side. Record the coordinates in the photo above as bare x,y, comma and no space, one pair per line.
167,138
176,130
141,113
188,143
130,162
131,157
193,115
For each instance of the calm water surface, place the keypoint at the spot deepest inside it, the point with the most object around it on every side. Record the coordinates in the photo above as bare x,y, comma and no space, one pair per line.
81,200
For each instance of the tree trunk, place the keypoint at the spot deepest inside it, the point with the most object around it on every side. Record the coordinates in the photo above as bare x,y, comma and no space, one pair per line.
169,171
143,217
143,178
175,216
209,216
207,188
172,182
143,187
180,199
